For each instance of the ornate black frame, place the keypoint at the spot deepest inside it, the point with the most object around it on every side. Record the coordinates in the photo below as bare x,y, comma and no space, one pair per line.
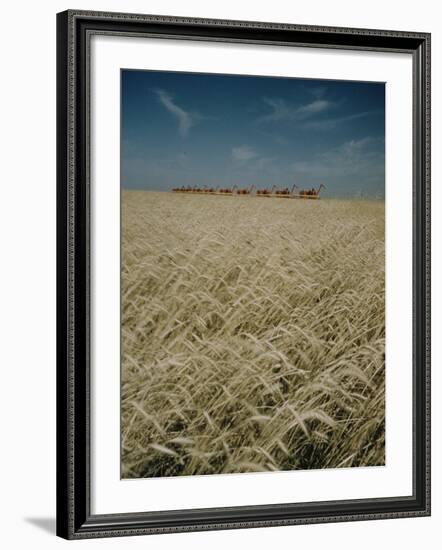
74,519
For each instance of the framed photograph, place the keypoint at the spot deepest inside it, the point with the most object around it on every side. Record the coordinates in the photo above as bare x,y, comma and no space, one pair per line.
243,274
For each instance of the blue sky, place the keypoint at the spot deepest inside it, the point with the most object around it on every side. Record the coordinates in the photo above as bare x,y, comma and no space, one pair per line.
204,129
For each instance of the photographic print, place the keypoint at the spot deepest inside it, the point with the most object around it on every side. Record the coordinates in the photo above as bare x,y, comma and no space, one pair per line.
252,274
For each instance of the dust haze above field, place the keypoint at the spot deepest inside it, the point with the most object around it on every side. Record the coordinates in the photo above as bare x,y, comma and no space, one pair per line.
200,129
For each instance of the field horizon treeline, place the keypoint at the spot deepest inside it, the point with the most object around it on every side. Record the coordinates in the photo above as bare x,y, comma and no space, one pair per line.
253,334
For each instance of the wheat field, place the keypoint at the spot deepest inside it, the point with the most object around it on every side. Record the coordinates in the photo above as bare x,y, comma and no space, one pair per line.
253,334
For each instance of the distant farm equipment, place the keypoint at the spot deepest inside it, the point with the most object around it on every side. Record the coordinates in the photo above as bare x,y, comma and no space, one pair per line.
273,192
245,191
265,192
286,192
227,190
311,193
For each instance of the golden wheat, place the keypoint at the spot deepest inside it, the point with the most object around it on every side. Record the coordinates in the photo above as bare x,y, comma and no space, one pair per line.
253,334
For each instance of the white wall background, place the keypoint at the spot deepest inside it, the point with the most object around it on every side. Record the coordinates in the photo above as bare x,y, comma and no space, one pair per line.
27,289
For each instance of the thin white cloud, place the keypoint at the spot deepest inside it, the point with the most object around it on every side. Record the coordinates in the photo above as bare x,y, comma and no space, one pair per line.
363,158
316,106
264,162
318,92
282,110
355,167
330,123
185,119
244,153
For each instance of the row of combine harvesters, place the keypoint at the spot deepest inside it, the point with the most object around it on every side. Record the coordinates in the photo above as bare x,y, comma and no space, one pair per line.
284,193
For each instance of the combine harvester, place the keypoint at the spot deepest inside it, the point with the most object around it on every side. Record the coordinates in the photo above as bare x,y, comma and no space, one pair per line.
265,192
309,193
285,193
245,191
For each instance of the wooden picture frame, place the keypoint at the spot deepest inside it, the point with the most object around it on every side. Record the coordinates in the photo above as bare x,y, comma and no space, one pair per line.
74,517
